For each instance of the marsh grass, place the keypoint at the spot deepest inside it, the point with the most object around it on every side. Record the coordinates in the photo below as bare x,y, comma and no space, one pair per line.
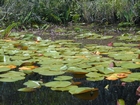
30,12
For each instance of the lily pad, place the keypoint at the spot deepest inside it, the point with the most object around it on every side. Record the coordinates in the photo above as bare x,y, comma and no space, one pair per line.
58,67
106,37
132,77
120,102
26,89
65,88
128,79
85,93
51,73
94,75
121,70
3,69
95,79
123,56
130,65
63,78
105,70
116,76
11,79
33,84
56,84
12,74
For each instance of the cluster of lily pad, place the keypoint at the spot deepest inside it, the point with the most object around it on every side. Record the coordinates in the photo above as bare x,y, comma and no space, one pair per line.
62,57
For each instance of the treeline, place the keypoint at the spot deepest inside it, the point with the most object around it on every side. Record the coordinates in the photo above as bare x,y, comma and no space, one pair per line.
63,11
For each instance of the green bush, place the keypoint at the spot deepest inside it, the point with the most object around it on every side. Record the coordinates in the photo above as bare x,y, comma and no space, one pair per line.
29,12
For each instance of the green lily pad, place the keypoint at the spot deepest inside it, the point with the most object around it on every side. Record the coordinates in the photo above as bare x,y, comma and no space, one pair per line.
33,84
84,35
50,73
85,93
119,70
130,65
137,51
120,102
56,84
2,69
51,54
94,75
57,67
132,77
92,69
65,88
123,56
1,58
63,78
11,79
76,70
83,65
105,70
19,57
128,79
80,90
124,44
26,89
12,74
106,37
95,79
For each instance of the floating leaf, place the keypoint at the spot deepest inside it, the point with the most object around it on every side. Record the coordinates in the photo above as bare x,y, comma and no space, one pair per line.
11,79
121,70
95,79
106,37
57,67
1,58
130,65
51,73
2,69
45,71
77,72
120,102
85,93
105,70
116,76
27,67
33,84
94,75
12,66
123,56
63,78
112,77
132,77
128,79
64,88
75,83
56,84
26,89
13,74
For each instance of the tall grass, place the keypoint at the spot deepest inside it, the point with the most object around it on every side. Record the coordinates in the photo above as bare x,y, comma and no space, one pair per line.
29,12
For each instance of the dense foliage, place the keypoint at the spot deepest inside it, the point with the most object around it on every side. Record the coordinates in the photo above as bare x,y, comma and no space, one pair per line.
64,11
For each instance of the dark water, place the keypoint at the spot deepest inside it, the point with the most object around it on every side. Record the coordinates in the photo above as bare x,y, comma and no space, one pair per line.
45,96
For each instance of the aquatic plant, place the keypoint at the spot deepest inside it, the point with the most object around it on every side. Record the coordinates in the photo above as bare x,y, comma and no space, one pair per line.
66,67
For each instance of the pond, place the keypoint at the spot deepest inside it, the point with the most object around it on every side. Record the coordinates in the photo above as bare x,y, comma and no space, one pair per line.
78,65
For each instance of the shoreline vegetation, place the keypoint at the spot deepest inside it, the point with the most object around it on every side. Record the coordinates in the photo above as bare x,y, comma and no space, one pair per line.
37,12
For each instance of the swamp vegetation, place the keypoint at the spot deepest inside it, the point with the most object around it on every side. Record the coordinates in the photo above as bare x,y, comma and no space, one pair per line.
69,52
